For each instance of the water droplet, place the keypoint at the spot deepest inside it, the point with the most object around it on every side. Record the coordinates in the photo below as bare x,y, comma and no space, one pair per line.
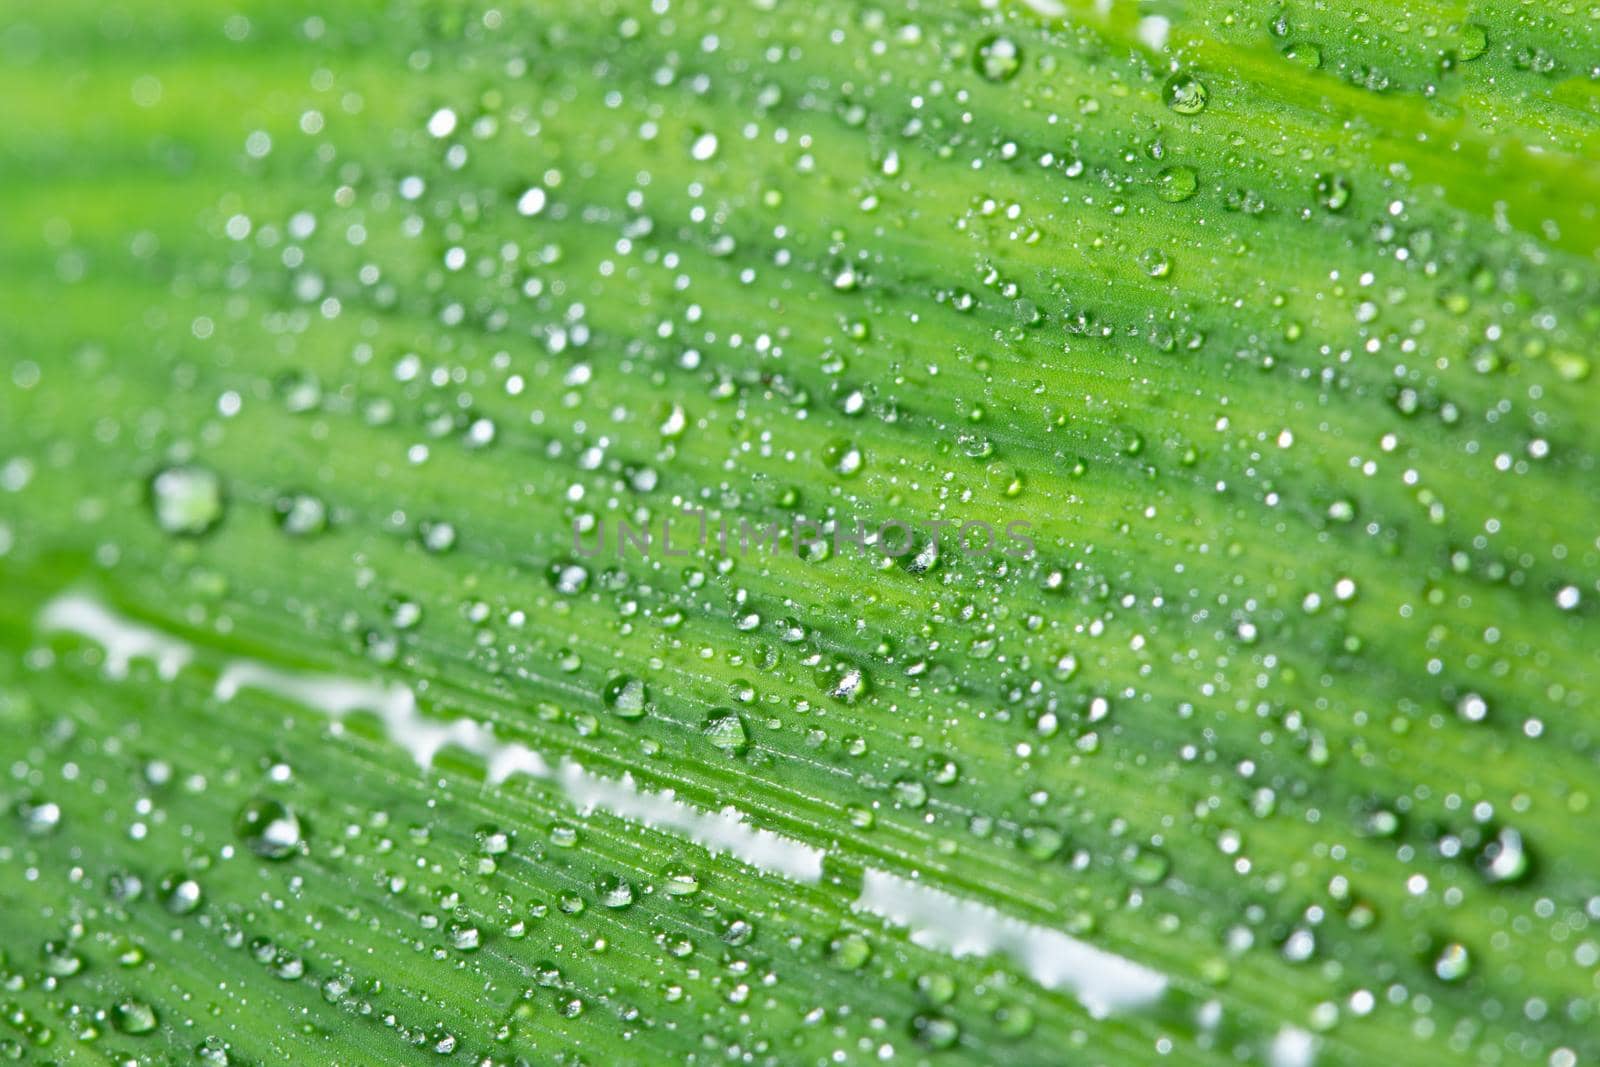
213,1052
849,951
271,830
442,123
844,458
1333,192
531,202
437,537
180,895
1185,94
1474,42
133,1017
627,696
61,960
1042,842
1154,262
704,147
1177,184
1145,866
404,613
1570,366
850,686
998,58
188,500
725,730
739,932
681,882
936,987
910,793
1453,963
569,579
1304,54
1300,946
1506,858
935,1031
39,817
493,841
615,892
1015,1020
124,887
301,514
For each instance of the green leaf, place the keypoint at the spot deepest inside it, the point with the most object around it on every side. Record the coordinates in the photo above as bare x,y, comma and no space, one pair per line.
799,532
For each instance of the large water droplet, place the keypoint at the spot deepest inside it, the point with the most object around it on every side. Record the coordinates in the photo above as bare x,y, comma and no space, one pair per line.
301,514
1453,963
1332,192
998,58
725,730
271,830
627,696
39,817
133,1017
1185,94
180,895
1177,184
1506,858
